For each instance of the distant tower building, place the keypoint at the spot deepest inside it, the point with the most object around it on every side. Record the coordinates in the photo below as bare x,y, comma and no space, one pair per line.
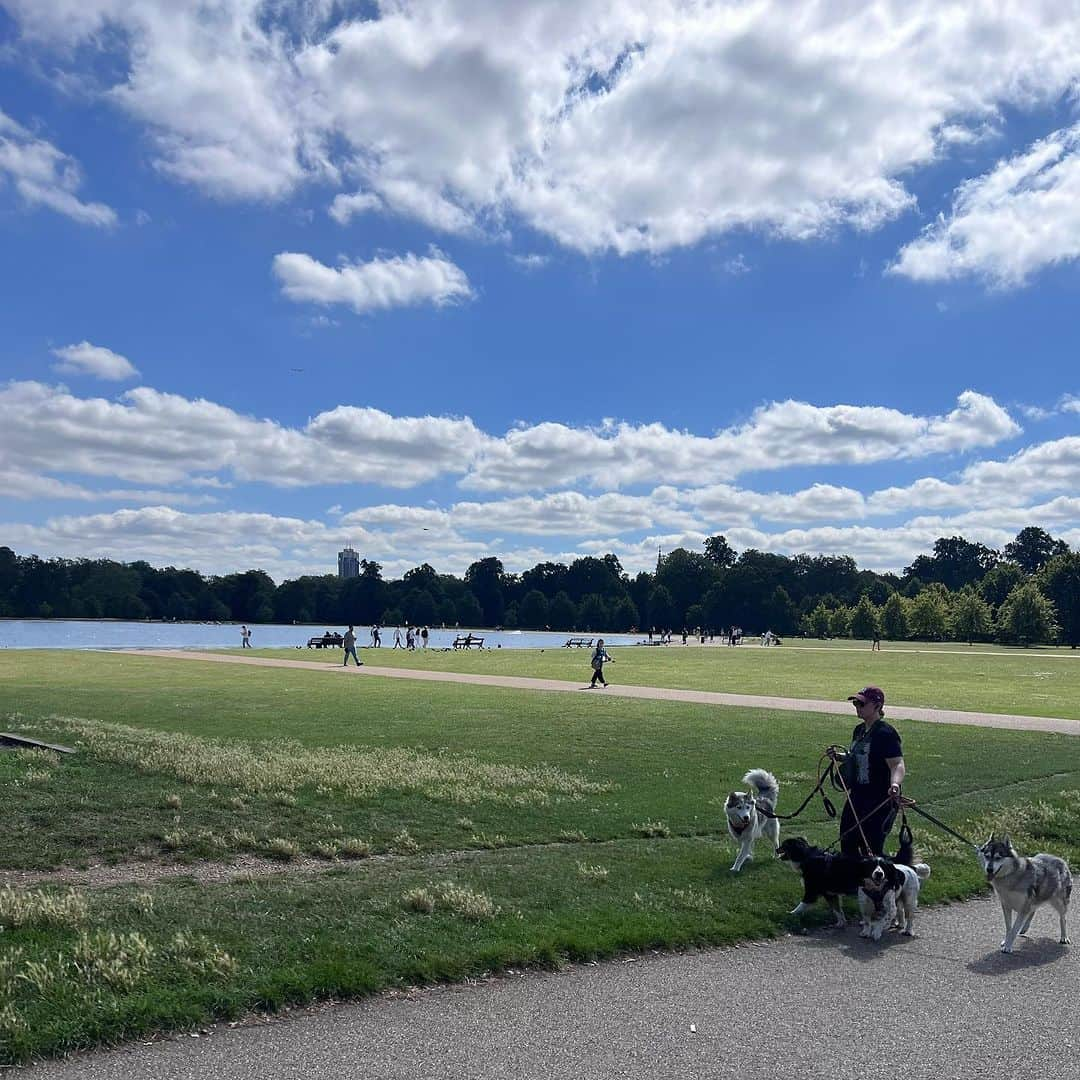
348,563
659,558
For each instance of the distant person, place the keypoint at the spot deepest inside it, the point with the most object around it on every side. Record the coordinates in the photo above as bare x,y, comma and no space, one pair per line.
599,658
376,637
685,635
349,642
397,638
245,638
875,645
410,639
424,637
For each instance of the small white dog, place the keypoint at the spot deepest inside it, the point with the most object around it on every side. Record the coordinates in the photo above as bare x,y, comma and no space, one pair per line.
888,894
745,821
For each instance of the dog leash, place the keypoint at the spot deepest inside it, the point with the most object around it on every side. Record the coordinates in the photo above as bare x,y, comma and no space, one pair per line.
823,775
941,825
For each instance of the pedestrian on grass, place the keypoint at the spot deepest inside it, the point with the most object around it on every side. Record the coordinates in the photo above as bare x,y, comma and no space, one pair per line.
397,638
349,641
873,771
245,638
875,645
424,637
599,658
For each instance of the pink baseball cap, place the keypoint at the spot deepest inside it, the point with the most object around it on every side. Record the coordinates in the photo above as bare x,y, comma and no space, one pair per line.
869,693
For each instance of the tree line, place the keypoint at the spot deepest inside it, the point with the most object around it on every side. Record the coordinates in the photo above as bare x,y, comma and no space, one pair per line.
1028,592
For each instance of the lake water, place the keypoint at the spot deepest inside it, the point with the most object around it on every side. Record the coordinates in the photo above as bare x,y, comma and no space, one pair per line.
107,634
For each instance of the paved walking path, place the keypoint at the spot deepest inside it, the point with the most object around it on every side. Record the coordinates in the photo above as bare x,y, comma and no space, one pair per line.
650,693
830,1005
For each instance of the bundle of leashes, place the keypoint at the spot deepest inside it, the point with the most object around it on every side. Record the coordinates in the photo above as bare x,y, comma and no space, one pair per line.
829,773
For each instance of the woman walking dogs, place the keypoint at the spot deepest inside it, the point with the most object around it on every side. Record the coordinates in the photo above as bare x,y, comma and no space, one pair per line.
872,770
599,658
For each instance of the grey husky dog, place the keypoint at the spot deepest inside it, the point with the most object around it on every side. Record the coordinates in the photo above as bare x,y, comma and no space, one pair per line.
745,821
1023,885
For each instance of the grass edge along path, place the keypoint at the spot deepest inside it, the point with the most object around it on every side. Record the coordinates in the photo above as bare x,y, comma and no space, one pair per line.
1058,725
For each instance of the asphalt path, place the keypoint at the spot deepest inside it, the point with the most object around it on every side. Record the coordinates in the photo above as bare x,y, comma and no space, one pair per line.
1060,725
944,1004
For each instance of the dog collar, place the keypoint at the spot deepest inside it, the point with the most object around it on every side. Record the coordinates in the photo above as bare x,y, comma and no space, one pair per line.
738,828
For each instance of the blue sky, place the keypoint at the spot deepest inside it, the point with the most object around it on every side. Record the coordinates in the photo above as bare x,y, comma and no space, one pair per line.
535,280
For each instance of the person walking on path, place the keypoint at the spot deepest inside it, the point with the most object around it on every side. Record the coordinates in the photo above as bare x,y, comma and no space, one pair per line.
873,770
599,658
245,637
349,641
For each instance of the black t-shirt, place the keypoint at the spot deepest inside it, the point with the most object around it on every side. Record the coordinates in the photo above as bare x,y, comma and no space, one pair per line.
870,775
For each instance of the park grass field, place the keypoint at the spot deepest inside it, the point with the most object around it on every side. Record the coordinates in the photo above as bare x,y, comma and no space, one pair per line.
1044,682
428,832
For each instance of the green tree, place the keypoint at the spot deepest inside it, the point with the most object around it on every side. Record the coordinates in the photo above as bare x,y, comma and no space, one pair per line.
864,619
719,552
662,612
486,579
468,610
533,611
695,617
894,620
970,616
956,562
999,581
1033,548
687,576
562,613
781,614
928,615
623,615
1059,581
840,622
1027,617
592,613
816,624
420,608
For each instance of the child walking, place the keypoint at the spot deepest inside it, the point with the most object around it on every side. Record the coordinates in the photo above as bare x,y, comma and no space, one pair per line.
599,658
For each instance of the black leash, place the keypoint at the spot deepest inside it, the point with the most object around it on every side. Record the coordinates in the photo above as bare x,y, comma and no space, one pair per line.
942,825
829,808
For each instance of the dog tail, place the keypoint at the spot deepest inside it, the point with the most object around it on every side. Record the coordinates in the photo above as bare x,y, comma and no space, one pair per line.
922,870
764,783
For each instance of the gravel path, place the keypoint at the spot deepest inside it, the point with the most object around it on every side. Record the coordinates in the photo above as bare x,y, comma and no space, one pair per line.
829,1005
1059,725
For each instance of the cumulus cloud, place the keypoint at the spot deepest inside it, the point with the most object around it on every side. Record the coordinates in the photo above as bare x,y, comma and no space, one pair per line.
400,281
87,359
45,176
778,435
1020,217
345,207
625,125
50,430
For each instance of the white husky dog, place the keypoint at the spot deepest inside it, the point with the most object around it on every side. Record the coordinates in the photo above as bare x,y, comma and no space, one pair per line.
745,821
1023,885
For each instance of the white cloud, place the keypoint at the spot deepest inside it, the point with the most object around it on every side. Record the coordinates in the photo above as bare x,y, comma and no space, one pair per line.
50,430
630,125
87,359
148,437
400,281
778,435
1020,217
345,207
45,176
531,261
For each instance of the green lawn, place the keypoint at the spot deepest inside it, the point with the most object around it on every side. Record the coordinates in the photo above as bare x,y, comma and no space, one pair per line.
463,829
982,679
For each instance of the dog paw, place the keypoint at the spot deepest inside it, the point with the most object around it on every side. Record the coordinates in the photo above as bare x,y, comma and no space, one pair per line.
1006,947
908,932
1064,941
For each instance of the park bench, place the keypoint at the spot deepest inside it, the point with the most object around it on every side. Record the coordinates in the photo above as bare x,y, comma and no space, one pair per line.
325,641
578,643
469,641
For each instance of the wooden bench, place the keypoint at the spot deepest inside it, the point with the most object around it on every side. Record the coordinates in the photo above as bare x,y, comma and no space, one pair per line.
578,643
326,641
469,641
